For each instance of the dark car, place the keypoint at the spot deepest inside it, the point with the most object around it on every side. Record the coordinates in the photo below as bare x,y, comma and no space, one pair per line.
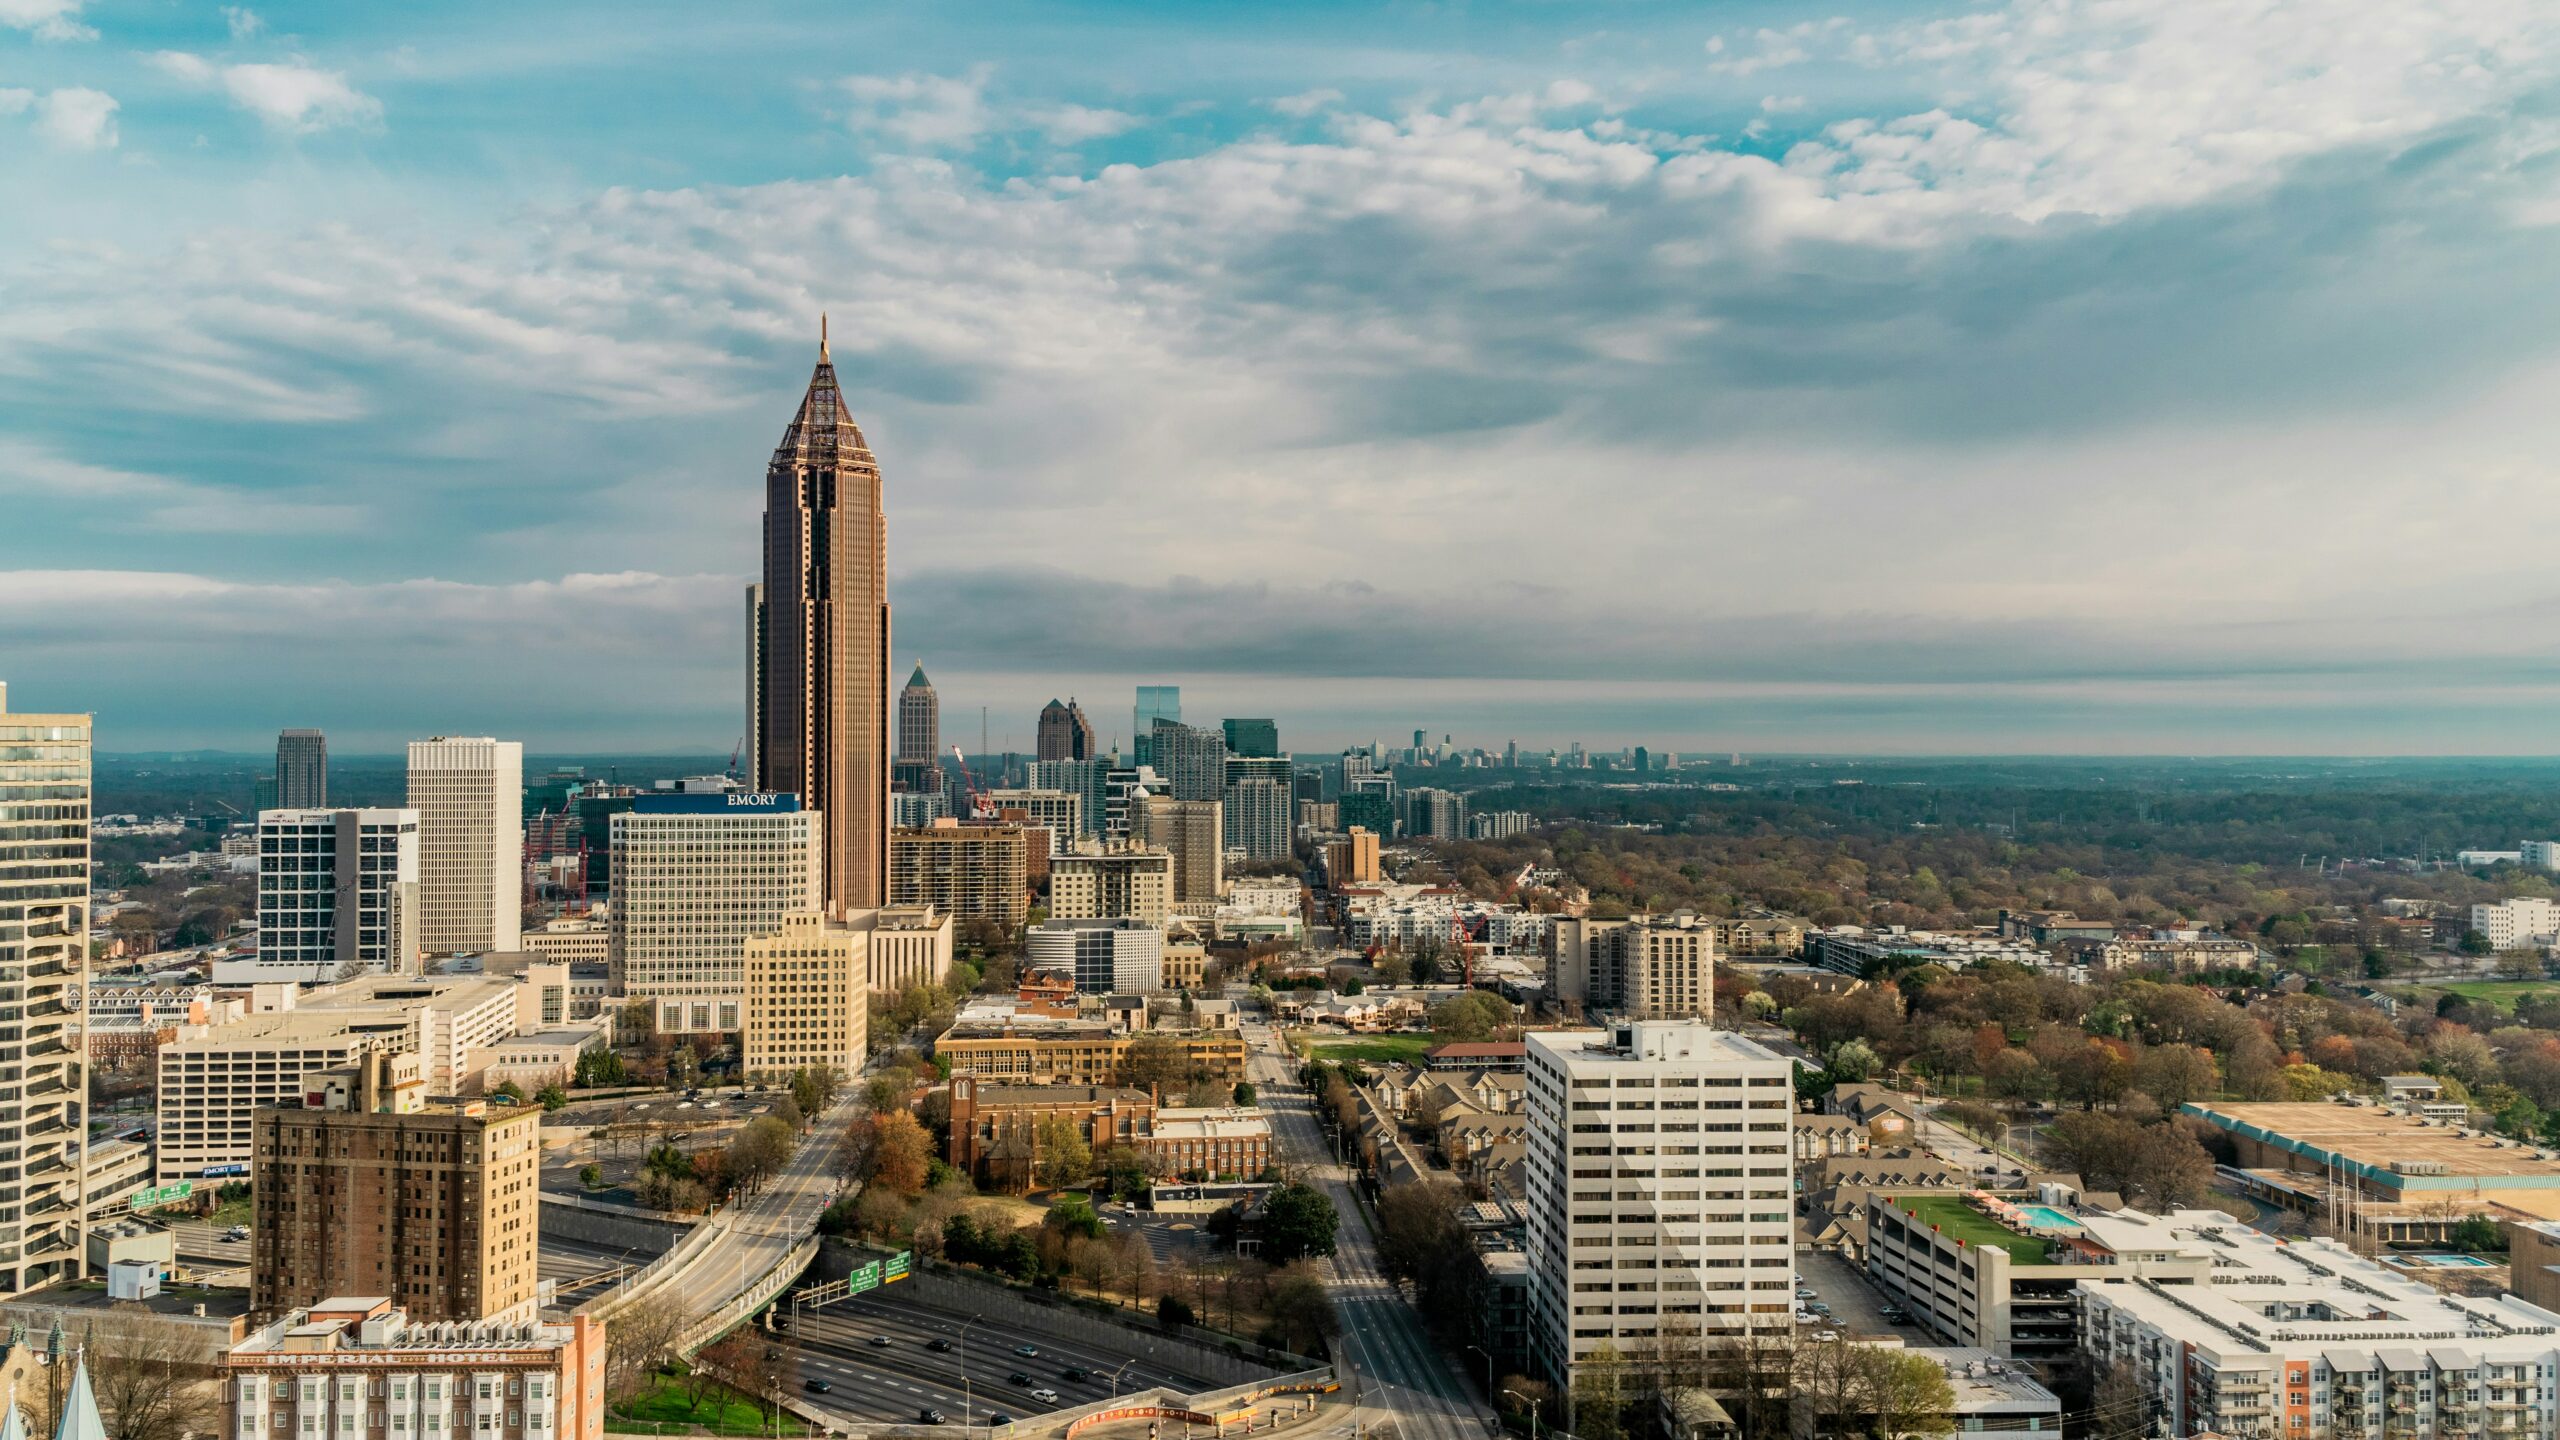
1075,1373
931,1416
880,1342
943,1346
1018,1378
1026,1351
999,1418
816,1386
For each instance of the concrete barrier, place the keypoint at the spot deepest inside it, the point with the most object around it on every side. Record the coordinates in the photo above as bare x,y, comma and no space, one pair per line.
593,1222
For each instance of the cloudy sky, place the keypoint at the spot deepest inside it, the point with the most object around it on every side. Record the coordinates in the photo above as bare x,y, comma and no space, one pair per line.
2108,376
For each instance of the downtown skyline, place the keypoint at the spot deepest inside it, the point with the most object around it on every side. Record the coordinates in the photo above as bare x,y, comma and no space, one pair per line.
1884,390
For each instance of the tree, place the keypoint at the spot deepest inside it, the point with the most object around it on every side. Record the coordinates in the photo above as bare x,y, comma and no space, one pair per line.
1297,1222
147,1388
551,1097
509,1091
2176,1074
1065,1156
1908,1394
1475,1015
1245,1094
642,1336
1854,1061
2479,1232
762,1147
1301,1310
899,1154
1074,1215
591,1176
2473,943
1155,1062
1600,1395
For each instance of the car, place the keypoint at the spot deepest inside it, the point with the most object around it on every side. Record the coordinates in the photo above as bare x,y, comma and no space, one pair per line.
236,1232
1018,1378
1045,1395
999,1418
942,1347
1826,1336
1807,1317
931,1416
816,1386
1027,1352
1806,1292
879,1342
1075,1373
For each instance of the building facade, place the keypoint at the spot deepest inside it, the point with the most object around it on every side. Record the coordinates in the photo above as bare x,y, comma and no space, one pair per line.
1191,832
1192,761
1660,1184
45,805
1060,812
337,893
970,872
2524,923
1261,811
1065,733
358,1369
302,770
364,1190
1106,957
469,795
1112,882
1353,859
808,998
822,713
1644,967
1259,738
919,721
910,945
696,876
1076,1054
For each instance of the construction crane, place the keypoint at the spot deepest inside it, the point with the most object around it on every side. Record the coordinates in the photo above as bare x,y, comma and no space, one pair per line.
979,809
734,752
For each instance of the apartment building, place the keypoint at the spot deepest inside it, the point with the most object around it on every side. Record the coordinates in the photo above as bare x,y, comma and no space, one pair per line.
1261,806
1659,1182
469,795
1060,812
1353,859
578,942
337,896
1644,967
45,804
1191,831
971,872
808,997
1113,881
1106,957
2304,1338
357,1368
1035,1050
2524,923
368,1188
694,877
910,945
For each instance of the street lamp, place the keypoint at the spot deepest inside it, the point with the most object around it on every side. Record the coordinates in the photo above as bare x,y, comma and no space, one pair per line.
1533,1411
968,1399
1488,1366
1116,1374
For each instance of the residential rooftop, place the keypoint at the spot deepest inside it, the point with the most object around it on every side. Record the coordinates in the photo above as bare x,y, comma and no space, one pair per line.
2385,1147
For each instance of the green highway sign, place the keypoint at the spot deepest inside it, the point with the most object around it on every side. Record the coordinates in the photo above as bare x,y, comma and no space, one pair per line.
895,1267
863,1278
161,1195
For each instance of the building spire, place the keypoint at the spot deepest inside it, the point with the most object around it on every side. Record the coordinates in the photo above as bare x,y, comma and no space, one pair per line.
822,337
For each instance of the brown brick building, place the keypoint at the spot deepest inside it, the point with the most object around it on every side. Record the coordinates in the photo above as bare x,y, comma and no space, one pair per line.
994,1127
370,1191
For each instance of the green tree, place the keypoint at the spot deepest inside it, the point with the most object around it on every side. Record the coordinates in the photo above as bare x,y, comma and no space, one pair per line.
1066,1158
1298,1221
591,1176
1245,1094
551,1097
1074,1215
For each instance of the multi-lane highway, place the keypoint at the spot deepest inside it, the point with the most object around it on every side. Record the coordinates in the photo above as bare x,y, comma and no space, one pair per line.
971,1378
1394,1372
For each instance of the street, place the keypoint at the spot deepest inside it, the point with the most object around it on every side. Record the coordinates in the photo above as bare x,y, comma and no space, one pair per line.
973,1378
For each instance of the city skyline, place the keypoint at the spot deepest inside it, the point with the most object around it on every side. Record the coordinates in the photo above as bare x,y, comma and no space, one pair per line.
1877,439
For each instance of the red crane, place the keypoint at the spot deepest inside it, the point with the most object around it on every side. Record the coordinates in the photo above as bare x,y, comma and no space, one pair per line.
979,809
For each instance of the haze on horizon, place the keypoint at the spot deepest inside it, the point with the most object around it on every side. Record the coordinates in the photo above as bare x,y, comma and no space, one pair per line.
2124,378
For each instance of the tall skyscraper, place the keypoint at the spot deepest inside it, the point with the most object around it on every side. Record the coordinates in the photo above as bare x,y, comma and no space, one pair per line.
1191,830
469,795
337,893
1659,1179
44,968
1155,702
1089,780
1192,761
1252,737
1065,733
302,770
919,720
1260,808
824,719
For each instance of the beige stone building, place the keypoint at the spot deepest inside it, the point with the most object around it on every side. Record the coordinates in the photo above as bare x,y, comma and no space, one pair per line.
910,945
970,872
808,997
469,795
1113,881
1353,860
1191,832
357,1368
370,1190
44,952
1645,967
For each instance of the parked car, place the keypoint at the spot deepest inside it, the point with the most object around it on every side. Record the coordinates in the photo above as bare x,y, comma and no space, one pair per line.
1806,1292
1807,1317
816,1386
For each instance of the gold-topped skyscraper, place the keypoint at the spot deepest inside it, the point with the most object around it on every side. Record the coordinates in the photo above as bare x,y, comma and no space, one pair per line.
820,647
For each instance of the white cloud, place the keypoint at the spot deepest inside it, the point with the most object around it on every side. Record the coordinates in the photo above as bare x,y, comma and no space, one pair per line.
294,97
1307,102
74,118
930,112
46,19
244,22
1075,124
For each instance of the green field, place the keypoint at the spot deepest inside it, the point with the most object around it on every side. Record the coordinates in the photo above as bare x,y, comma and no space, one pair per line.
662,1411
1375,1049
1955,1218
2501,993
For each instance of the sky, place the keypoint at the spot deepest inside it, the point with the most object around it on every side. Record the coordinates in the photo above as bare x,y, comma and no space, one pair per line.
2074,376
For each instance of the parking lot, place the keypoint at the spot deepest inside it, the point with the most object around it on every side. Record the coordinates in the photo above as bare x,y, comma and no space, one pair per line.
1855,1306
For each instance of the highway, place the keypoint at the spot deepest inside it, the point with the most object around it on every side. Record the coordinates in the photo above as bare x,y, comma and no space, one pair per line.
1396,1374
896,1381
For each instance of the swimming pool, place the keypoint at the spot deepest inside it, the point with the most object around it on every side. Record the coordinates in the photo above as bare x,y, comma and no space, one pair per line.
2447,1260
2041,1217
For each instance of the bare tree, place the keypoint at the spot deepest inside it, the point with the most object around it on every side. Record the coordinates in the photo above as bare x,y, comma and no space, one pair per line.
153,1386
641,1337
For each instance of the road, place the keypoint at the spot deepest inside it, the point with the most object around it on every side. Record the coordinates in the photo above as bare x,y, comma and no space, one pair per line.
1397,1376
973,1378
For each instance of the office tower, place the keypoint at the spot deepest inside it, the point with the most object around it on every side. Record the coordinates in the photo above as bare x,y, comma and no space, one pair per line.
1106,957
1371,804
1065,733
1660,1175
337,893
469,795
1060,812
1192,761
1188,830
302,770
1440,814
808,998
1307,785
1087,780
1643,759
750,756
1510,754
44,969
919,719
1252,737
910,945
1258,818
1122,787
1353,859
971,872
825,640
369,1188
1112,881
262,794
914,809
1645,967
1155,702
694,877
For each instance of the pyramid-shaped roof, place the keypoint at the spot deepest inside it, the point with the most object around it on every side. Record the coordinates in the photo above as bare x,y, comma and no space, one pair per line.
80,1417
15,1426
917,680
822,432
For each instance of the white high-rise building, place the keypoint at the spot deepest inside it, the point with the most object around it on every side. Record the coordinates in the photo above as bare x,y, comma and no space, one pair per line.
694,876
1660,1180
2524,923
337,896
1107,957
469,795
44,967
1260,806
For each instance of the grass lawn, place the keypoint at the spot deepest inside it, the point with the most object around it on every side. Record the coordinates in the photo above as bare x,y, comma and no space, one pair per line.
664,1409
238,1212
1378,1049
1955,1218
2501,993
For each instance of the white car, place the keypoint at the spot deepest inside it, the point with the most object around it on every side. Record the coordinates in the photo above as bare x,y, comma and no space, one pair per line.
1807,1317
1826,1336
1805,1292
1045,1395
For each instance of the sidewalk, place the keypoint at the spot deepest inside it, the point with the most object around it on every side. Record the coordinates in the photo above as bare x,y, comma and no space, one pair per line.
1295,1415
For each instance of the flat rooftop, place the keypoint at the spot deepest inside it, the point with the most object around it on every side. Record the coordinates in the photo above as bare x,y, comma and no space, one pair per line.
2370,1141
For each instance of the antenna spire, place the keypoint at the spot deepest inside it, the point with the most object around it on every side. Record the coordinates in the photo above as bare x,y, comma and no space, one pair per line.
822,335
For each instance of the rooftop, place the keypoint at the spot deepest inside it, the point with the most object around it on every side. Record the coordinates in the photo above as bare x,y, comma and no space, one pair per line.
2388,1148
1655,1041
1985,1384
